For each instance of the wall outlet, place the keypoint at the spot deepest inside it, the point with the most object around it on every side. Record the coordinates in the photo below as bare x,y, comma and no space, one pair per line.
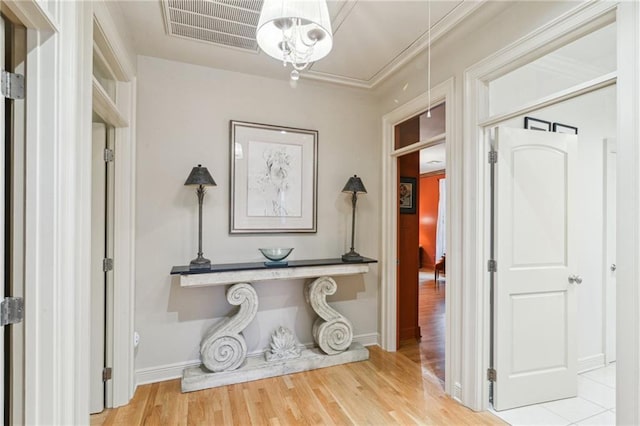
136,339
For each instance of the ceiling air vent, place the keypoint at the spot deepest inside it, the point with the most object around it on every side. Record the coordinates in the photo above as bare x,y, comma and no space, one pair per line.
230,23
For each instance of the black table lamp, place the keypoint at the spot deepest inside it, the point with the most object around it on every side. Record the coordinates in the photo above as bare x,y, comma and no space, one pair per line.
354,186
200,176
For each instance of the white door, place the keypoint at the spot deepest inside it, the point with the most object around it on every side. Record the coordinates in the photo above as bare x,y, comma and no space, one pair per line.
98,218
610,159
109,253
535,342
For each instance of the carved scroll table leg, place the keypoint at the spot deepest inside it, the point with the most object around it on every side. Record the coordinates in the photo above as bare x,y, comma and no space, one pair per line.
223,348
331,331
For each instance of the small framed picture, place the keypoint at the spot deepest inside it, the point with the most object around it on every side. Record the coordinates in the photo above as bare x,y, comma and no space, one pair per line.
563,128
537,124
407,195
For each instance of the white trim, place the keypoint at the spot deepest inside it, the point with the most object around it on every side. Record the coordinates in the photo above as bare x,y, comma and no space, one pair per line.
57,205
174,371
439,29
608,277
591,362
576,23
32,15
78,198
432,141
110,43
564,95
457,392
5,374
122,115
369,339
104,106
442,92
628,216
162,373
123,385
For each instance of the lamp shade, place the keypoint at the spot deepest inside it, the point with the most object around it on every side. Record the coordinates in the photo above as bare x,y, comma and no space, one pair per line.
277,17
200,176
354,184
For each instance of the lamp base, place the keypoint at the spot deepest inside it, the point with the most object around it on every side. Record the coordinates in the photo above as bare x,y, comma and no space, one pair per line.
200,263
352,256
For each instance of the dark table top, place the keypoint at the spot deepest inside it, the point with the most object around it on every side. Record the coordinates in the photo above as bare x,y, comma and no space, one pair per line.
230,267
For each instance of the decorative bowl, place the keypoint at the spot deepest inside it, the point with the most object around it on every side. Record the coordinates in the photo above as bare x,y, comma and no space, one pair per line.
276,254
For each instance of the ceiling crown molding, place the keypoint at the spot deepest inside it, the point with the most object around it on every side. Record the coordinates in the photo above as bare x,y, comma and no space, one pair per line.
440,28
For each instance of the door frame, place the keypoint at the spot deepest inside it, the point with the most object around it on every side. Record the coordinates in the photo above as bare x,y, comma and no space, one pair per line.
57,207
576,23
120,116
608,308
443,92
5,404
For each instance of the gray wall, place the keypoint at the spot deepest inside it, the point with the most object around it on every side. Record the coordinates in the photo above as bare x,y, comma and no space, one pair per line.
183,119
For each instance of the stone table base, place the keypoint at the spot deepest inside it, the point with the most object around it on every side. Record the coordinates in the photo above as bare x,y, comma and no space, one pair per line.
255,368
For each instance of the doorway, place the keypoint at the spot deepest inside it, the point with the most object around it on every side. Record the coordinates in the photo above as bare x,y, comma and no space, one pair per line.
12,223
587,110
390,295
593,119
421,325
432,273
102,239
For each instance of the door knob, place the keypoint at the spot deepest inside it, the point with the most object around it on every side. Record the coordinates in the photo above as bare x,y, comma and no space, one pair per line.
613,267
575,279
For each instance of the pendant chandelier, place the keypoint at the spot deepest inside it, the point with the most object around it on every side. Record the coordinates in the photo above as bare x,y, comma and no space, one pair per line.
297,32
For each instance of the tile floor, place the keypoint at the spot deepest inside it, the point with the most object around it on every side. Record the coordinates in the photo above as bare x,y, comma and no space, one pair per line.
594,405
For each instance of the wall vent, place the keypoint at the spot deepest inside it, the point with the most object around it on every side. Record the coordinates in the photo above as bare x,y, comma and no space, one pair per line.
230,23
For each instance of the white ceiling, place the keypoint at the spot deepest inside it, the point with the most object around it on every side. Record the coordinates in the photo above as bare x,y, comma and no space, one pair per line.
433,158
372,38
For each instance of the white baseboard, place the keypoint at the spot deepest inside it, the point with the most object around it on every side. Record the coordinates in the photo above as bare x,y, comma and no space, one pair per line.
370,339
174,371
164,372
590,363
457,392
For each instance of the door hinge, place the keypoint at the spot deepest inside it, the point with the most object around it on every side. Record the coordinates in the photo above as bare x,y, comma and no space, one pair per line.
108,155
11,310
107,264
492,266
12,85
491,375
106,374
493,157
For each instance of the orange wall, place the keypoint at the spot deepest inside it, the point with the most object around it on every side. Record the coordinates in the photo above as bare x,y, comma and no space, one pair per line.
429,196
408,263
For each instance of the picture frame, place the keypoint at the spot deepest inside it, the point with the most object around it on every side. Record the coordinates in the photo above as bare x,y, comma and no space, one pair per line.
407,195
563,128
537,124
273,179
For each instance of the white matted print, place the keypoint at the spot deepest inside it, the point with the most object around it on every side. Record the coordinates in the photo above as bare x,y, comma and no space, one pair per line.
273,179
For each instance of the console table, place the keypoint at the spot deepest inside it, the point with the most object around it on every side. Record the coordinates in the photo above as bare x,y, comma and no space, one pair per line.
223,350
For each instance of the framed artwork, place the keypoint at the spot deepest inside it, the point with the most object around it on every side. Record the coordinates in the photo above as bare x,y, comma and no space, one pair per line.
407,195
563,128
274,178
537,124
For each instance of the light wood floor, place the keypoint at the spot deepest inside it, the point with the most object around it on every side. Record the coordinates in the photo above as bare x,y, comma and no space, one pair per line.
389,389
429,351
